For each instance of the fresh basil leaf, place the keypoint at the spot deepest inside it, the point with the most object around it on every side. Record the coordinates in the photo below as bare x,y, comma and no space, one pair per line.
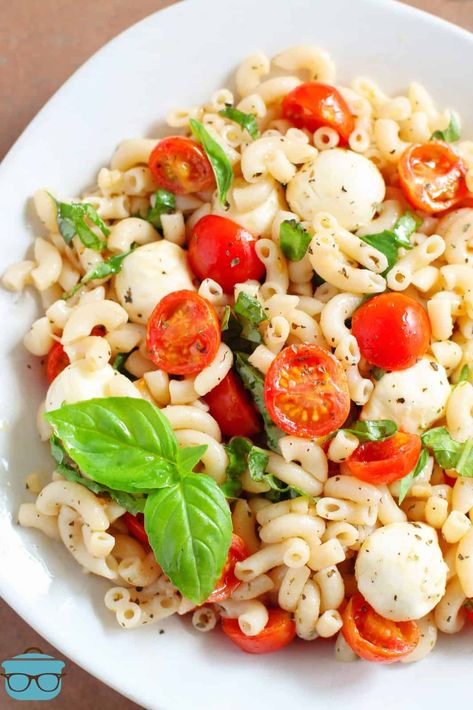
164,203
133,504
242,455
451,133
71,219
389,241
251,314
189,527
109,267
122,442
224,323
448,452
373,429
257,463
280,491
119,362
189,456
221,166
294,240
406,482
246,120
464,376
377,373
254,383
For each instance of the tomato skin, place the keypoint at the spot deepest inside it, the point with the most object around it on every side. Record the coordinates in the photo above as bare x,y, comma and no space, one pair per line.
57,360
222,250
278,632
432,176
183,333
180,165
374,638
392,331
306,391
468,607
385,461
227,583
230,404
313,104
136,526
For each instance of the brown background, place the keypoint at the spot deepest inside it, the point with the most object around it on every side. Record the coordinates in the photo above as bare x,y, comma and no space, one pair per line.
41,43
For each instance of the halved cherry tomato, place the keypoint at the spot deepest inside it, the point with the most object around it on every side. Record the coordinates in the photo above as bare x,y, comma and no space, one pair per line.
180,165
278,632
136,526
230,404
432,176
392,330
313,105
183,333
227,583
375,638
306,391
224,251
468,607
385,461
57,360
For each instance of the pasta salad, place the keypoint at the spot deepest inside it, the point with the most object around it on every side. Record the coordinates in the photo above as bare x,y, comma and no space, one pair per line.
258,343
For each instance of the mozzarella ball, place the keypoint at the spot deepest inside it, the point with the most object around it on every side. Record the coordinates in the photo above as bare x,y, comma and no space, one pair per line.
150,273
457,230
400,571
253,206
77,383
414,398
338,181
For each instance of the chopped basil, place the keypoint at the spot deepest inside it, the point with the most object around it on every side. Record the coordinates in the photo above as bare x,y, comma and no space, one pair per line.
373,429
451,133
448,452
110,266
246,120
389,241
406,482
237,450
294,240
221,166
240,327
164,203
377,373
72,219
464,376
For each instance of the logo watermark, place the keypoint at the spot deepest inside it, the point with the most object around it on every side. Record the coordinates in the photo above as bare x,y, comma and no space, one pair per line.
33,675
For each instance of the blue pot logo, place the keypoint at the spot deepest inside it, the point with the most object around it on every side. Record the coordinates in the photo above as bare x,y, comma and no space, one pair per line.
33,675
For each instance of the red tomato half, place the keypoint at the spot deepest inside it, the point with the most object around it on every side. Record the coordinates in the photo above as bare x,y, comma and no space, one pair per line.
278,632
230,404
224,251
468,607
392,330
313,105
306,391
432,176
136,526
227,583
183,333
180,165
57,359
385,461
375,638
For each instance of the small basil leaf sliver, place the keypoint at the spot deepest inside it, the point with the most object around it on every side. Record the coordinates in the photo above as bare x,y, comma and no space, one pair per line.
237,451
464,376
102,270
377,373
373,430
189,527
451,133
121,442
246,120
406,482
405,228
221,166
389,241
257,462
164,203
294,240
71,219
250,308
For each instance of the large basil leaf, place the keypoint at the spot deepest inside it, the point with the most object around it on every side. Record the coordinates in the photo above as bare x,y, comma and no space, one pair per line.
122,442
448,452
221,166
189,527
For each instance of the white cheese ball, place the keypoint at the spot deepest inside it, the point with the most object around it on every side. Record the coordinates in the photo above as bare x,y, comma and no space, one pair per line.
150,273
77,383
414,398
400,571
338,181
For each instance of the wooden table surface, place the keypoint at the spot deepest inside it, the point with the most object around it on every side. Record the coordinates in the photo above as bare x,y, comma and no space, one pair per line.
41,43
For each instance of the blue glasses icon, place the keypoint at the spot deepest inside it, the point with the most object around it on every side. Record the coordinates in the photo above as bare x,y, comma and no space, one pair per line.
33,675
